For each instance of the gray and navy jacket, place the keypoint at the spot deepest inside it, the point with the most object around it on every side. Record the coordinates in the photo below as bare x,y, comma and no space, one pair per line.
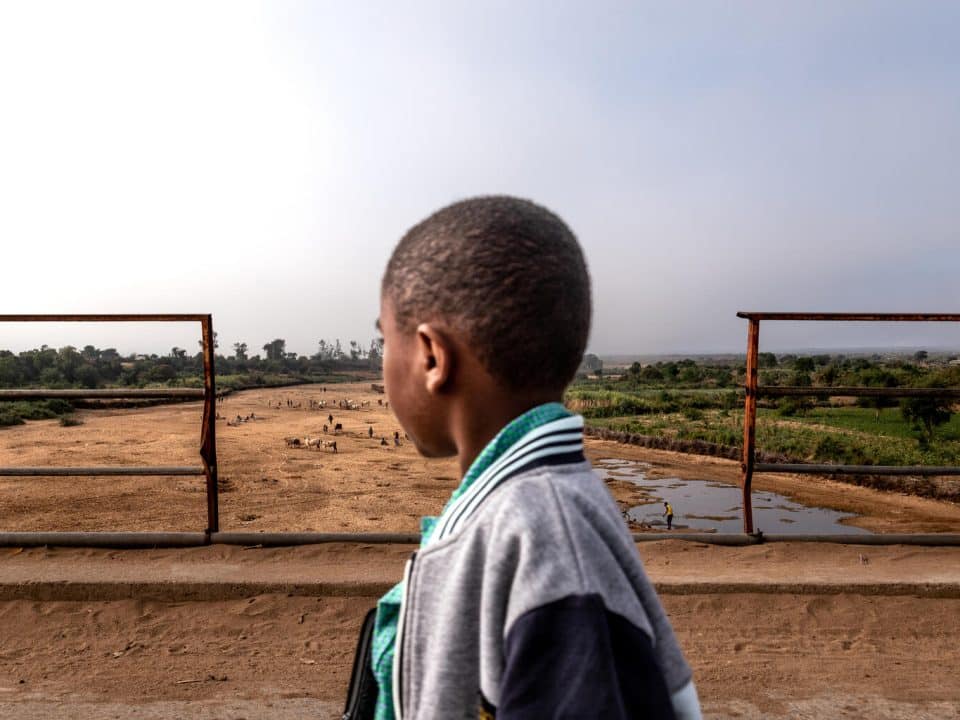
530,601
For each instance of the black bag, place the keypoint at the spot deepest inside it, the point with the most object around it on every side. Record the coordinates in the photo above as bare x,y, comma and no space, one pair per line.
362,694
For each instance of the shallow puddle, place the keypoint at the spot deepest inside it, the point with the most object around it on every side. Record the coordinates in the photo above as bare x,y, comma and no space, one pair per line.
703,505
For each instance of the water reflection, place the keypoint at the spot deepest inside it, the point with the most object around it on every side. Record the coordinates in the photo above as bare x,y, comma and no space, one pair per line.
704,505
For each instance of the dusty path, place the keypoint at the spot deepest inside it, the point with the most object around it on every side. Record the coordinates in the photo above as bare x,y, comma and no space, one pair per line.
754,656
853,654
366,486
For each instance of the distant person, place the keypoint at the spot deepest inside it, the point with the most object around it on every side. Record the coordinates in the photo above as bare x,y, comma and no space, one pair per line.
668,512
527,598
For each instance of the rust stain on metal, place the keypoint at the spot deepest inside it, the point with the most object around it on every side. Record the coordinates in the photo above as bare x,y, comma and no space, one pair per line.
852,317
208,432
749,422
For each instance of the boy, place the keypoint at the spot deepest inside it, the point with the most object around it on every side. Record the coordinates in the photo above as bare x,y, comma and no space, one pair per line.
668,513
527,599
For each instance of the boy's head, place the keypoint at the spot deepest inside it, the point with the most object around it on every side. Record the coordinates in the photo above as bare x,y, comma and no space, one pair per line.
501,282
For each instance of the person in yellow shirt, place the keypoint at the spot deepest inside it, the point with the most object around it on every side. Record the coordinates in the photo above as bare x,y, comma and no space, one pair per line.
668,511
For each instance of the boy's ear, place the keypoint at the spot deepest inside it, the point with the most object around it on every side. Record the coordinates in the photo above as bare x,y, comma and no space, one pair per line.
437,357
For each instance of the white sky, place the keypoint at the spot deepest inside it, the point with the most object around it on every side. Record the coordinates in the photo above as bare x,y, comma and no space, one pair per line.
259,161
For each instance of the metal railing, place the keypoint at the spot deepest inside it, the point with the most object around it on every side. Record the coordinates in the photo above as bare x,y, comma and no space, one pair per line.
754,391
208,436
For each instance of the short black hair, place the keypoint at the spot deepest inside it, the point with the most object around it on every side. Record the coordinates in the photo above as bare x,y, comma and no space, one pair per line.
506,272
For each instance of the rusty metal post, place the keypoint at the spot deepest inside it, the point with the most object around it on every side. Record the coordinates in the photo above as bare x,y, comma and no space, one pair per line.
208,431
749,422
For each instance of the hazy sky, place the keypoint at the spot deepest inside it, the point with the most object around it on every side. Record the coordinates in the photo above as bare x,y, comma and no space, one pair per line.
259,161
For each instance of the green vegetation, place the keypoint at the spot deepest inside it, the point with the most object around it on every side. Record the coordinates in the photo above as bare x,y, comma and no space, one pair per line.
91,367
703,400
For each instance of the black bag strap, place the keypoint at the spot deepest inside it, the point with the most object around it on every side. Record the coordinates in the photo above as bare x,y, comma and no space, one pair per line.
362,693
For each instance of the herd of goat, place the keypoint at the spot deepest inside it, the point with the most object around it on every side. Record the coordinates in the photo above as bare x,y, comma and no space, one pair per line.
316,442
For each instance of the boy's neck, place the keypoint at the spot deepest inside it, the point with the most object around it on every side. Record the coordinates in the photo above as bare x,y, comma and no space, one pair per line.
480,417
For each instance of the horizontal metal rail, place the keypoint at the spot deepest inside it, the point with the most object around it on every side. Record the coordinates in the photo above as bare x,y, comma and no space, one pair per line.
106,393
854,391
112,540
830,469
853,317
103,470
127,540
126,317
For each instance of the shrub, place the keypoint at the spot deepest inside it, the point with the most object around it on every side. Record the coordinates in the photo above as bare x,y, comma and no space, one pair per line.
8,418
692,413
70,421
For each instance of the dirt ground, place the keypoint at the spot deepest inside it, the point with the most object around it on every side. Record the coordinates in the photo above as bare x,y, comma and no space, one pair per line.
755,655
365,486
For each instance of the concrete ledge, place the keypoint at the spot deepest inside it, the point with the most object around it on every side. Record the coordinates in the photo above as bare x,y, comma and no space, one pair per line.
49,591
927,590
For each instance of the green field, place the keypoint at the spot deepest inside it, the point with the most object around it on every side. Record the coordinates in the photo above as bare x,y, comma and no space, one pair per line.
703,402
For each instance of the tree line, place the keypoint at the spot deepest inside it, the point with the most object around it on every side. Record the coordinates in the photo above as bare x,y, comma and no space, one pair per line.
92,367
923,414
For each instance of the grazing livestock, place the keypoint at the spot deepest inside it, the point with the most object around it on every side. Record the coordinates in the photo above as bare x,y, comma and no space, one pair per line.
370,431
383,441
337,428
324,429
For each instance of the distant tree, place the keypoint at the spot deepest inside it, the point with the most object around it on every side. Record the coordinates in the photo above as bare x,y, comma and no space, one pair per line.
925,414
240,350
10,373
651,373
829,375
803,364
88,376
723,377
276,349
177,353
921,355
690,374
215,343
767,360
669,370
879,379
337,353
354,350
375,354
